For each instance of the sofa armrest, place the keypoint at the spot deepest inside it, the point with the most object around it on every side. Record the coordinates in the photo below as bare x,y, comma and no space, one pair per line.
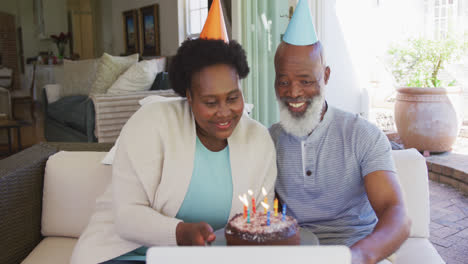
52,92
21,182
80,146
412,173
113,111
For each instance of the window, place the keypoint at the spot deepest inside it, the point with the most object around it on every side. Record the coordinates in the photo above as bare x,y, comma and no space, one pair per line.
197,11
443,16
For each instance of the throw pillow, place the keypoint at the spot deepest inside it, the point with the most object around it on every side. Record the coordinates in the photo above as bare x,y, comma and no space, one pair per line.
161,82
78,77
109,69
138,77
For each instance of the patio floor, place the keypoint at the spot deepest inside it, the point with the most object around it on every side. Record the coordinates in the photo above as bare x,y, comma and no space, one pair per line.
449,222
449,207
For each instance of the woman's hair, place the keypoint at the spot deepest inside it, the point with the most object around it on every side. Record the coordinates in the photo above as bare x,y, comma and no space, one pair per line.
194,55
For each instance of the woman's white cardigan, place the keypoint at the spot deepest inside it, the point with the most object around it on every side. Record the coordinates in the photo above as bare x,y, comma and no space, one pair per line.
151,174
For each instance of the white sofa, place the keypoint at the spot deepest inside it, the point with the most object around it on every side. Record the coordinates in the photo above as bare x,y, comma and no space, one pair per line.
73,180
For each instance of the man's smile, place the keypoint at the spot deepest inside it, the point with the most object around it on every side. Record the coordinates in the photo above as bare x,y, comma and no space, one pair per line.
297,107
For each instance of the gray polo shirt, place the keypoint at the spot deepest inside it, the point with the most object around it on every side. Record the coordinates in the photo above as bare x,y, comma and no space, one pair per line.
321,176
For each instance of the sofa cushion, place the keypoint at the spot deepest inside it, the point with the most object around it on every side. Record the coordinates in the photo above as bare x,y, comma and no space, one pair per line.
417,250
70,111
78,77
412,173
72,182
55,250
138,77
109,69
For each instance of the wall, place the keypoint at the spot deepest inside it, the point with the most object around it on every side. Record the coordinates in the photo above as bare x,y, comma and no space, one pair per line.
104,40
168,23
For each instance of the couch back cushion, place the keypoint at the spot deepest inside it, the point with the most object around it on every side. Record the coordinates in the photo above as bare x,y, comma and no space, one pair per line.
109,69
72,182
412,173
78,76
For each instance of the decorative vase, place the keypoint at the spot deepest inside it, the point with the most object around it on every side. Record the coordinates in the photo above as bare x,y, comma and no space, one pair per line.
61,49
429,118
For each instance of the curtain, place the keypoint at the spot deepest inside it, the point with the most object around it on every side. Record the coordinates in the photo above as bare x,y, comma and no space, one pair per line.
262,24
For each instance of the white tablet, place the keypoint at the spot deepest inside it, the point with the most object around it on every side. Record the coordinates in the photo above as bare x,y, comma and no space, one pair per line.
251,254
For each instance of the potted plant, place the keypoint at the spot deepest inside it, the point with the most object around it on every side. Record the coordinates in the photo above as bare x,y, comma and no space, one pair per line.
428,113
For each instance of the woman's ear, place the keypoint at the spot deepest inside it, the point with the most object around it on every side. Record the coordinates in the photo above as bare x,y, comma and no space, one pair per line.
189,96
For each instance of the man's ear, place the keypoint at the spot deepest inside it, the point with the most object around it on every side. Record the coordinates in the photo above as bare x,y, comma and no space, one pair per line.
327,75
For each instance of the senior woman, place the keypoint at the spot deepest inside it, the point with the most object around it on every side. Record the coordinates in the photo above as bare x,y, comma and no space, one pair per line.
181,164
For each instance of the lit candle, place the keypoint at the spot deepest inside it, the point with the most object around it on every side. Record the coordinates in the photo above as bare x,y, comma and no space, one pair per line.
248,216
244,200
265,200
276,207
266,206
284,212
254,207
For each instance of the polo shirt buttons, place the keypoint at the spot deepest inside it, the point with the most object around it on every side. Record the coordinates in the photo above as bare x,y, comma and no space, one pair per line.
309,173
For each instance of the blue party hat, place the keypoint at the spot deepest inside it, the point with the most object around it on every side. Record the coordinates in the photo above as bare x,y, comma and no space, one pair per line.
301,30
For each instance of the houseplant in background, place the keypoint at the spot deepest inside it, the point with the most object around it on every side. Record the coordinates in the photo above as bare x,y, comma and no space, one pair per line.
61,40
428,112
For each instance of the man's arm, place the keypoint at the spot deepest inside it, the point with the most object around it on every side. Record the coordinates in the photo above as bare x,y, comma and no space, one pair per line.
393,228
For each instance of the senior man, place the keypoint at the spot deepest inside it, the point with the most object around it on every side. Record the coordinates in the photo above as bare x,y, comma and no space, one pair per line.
335,169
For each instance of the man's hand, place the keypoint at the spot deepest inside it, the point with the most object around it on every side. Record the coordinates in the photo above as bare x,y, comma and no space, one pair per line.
194,234
359,258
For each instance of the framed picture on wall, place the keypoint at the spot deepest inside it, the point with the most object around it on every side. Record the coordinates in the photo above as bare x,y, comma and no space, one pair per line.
149,22
131,36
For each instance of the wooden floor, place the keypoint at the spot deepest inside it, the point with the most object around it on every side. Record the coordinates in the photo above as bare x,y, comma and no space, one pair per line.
30,135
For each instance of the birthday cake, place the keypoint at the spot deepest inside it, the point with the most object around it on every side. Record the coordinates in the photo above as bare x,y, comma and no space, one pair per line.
258,231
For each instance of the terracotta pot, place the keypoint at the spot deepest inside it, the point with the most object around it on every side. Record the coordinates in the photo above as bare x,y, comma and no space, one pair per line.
429,118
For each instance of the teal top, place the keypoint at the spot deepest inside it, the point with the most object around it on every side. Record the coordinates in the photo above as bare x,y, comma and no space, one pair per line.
209,196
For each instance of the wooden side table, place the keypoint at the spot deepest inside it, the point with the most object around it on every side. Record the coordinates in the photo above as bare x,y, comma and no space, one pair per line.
9,125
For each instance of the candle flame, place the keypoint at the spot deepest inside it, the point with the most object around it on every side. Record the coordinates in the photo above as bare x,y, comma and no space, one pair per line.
250,192
264,191
244,200
265,205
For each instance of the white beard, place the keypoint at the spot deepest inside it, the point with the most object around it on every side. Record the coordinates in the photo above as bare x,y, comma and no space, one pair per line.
303,125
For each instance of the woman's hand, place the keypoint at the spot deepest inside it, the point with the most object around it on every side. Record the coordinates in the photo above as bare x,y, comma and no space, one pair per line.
194,234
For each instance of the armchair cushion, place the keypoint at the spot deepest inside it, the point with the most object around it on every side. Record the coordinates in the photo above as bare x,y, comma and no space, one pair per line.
52,93
71,111
412,172
6,77
72,182
109,69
